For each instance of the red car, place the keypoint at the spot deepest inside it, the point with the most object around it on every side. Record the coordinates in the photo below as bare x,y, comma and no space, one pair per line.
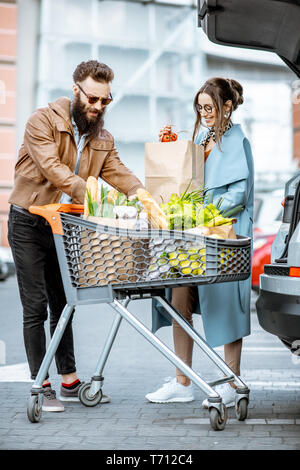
267,217
261,255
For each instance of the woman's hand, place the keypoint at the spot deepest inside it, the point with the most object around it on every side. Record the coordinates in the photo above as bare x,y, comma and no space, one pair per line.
165,130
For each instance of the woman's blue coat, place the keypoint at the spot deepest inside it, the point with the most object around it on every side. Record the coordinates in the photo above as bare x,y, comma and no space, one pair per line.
225,307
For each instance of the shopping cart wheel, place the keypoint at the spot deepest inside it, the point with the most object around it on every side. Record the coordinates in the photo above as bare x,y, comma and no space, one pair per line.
241,409
34,408
85,398
218,422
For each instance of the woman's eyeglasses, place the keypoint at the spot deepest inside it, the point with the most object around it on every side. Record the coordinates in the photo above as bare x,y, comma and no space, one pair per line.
93,99
207,107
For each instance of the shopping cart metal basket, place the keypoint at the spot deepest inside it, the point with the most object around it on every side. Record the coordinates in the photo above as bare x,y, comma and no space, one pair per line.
103,264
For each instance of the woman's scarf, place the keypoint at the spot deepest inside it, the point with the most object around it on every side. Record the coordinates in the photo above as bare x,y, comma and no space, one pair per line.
212,134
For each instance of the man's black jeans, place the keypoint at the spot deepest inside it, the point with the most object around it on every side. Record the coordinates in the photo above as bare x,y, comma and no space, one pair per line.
40,285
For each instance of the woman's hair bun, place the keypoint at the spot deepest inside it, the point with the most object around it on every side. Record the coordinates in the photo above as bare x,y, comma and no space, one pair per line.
237,90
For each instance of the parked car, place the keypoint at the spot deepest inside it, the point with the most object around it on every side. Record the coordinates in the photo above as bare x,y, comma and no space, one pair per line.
268,211
272,26
262,245
278,303
267,217
3,270
7,265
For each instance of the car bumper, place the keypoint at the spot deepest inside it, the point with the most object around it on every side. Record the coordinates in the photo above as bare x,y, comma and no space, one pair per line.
278,306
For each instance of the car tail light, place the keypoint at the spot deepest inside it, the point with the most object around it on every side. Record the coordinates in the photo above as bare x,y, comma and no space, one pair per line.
294,272
283,202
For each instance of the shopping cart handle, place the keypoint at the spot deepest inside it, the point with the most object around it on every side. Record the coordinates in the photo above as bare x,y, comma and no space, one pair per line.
50,213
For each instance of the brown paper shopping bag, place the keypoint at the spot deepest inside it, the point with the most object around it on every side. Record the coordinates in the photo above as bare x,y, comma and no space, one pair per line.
170,166
218,231
222,231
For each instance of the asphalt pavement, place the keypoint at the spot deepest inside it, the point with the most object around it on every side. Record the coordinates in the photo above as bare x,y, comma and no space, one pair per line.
133,369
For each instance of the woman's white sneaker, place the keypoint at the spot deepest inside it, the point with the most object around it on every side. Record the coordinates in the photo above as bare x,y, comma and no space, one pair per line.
172,392
226,392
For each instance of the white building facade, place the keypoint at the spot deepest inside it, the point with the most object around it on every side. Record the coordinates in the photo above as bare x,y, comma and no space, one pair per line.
160,59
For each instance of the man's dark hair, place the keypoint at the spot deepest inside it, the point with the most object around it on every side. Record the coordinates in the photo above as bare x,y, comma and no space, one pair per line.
94,69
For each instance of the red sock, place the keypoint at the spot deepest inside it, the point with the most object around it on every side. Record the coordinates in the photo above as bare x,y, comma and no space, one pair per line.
71,385
48,384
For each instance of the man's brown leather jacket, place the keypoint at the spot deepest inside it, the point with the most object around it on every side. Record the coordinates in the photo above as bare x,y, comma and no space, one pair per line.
47,159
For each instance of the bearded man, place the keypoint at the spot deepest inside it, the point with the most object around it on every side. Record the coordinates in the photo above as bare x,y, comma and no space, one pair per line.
64,144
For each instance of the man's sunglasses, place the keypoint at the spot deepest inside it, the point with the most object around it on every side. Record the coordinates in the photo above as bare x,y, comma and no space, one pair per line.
93,99
207,107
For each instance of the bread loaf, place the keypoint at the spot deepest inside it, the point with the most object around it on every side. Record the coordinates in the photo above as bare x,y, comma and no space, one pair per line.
155,214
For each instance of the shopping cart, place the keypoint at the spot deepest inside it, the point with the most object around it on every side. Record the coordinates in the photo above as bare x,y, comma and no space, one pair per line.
102,264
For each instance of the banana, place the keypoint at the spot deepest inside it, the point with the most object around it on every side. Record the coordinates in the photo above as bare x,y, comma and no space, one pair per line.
219,220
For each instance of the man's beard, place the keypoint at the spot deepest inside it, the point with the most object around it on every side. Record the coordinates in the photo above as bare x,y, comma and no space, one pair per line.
85,125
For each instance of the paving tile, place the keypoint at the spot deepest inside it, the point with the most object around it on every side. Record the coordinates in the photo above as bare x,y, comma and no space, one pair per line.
129,421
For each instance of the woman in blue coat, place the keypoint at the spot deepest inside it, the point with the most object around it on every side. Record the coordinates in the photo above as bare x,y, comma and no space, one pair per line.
225,307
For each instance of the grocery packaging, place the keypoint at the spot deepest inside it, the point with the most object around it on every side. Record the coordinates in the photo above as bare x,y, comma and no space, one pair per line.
104,257
109,207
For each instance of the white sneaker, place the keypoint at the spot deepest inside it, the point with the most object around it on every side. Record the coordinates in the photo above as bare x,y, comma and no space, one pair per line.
172,392
226,392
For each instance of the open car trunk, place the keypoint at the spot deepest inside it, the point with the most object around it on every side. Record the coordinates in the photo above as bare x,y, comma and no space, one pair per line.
270,25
